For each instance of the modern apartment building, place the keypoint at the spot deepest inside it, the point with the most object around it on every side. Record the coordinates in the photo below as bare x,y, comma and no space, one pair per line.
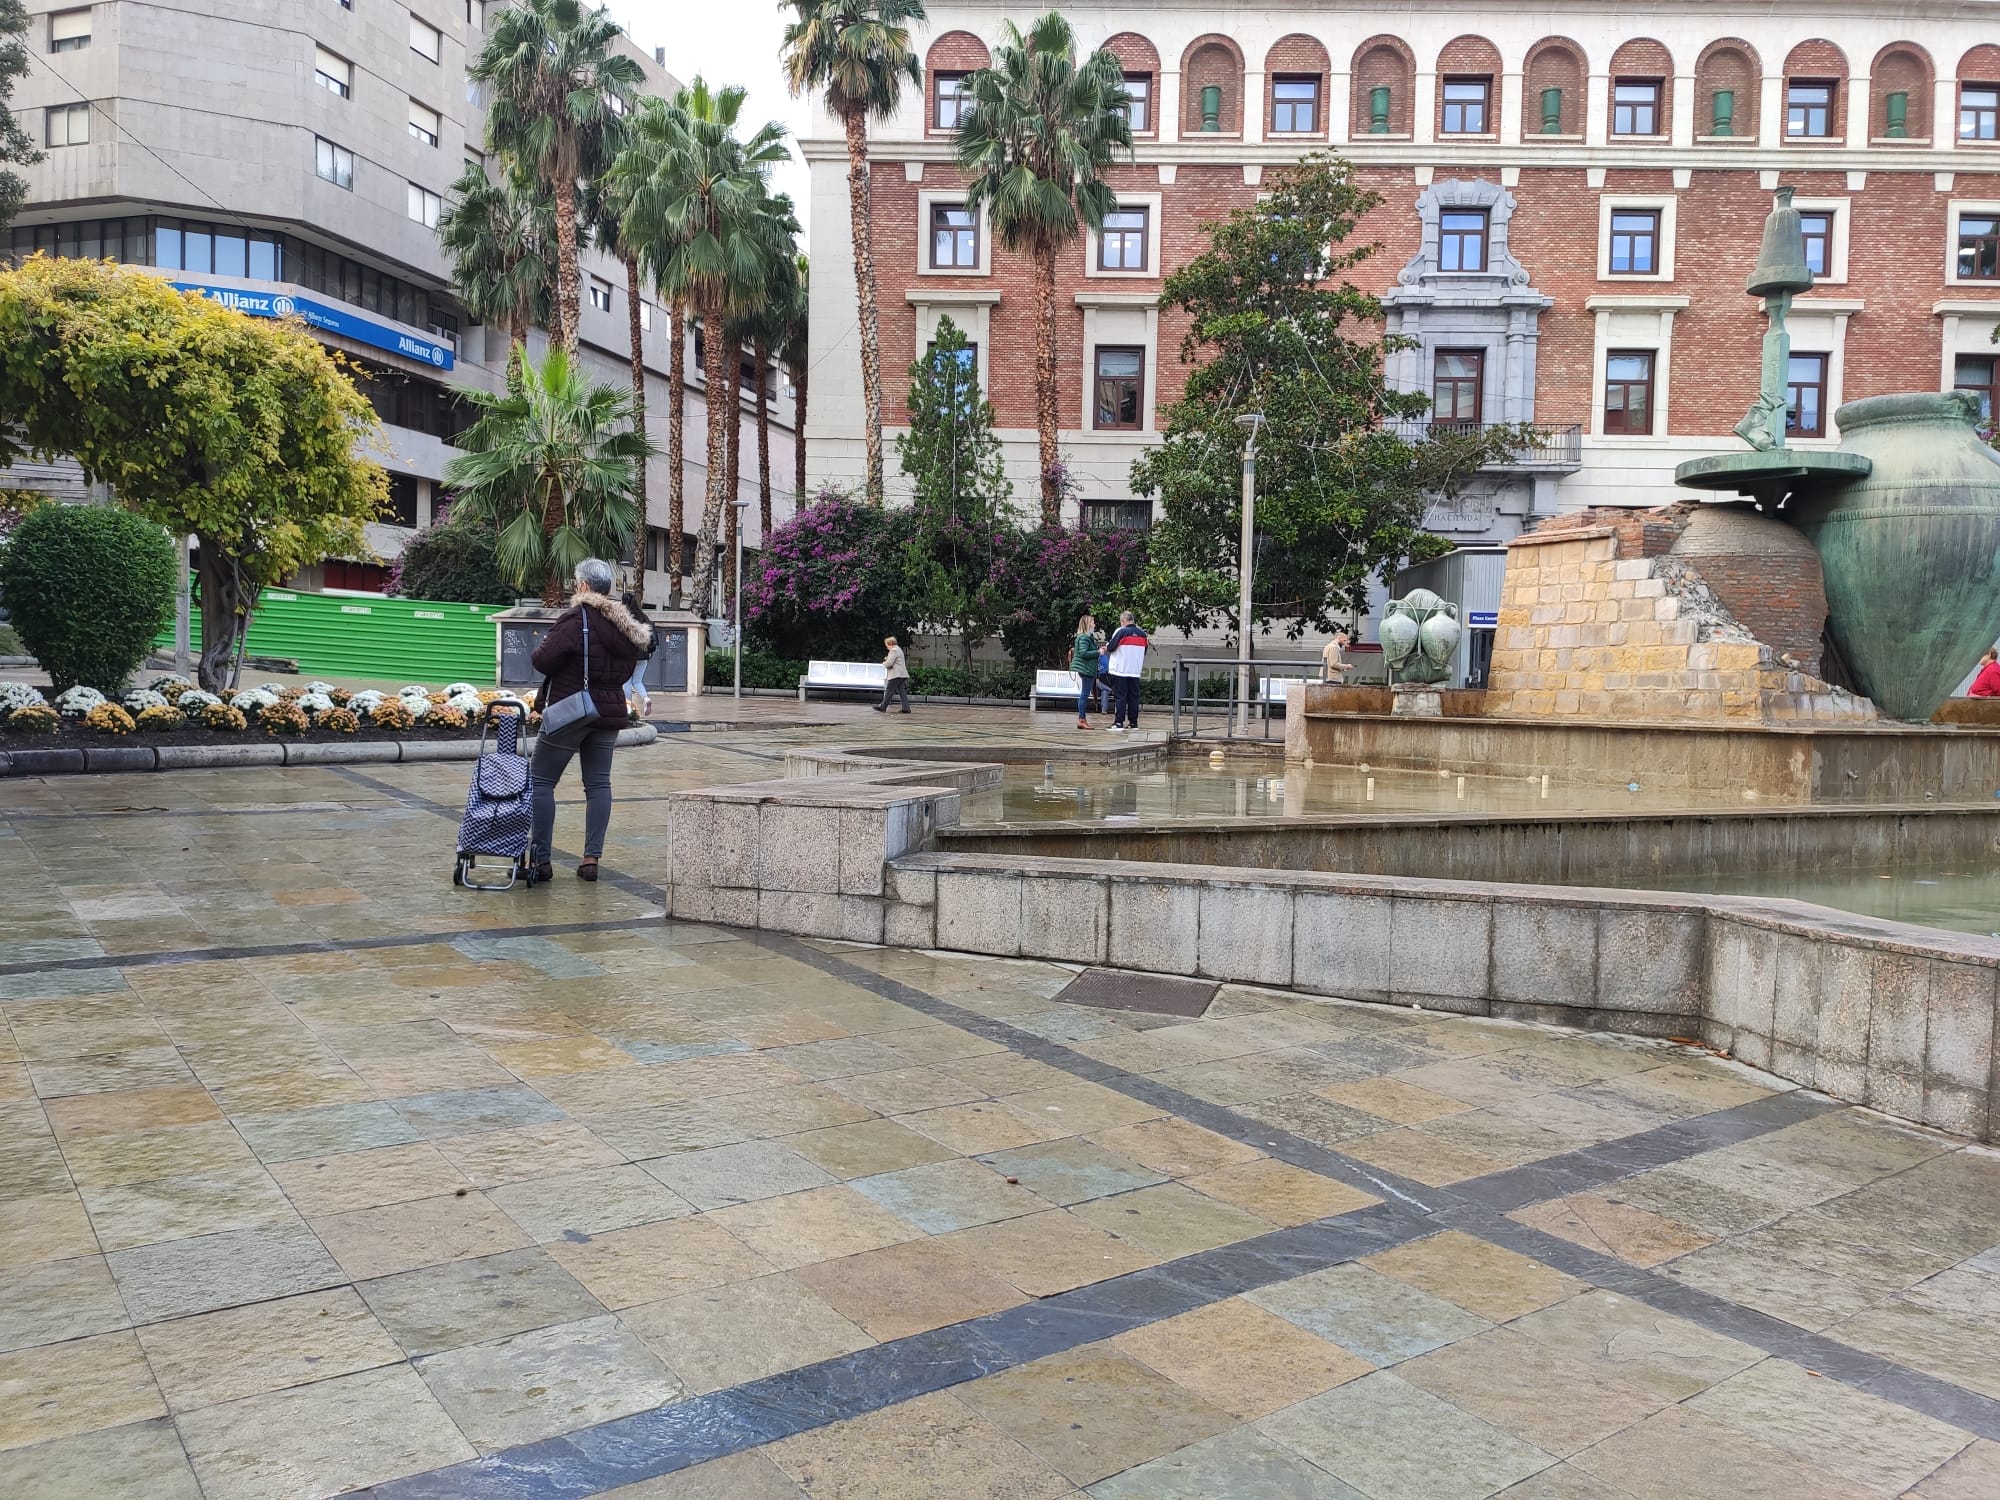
1572,194
292,156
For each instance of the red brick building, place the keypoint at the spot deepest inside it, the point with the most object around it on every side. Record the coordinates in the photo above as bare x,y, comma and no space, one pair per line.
1572,197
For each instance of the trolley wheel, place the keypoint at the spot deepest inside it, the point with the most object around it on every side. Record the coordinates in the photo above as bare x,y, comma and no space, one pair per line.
458,870
524,870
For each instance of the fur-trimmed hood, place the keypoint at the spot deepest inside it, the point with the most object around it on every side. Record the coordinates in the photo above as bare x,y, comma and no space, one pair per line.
638,632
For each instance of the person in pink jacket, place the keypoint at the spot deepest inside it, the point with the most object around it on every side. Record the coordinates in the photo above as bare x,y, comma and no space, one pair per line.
1987,683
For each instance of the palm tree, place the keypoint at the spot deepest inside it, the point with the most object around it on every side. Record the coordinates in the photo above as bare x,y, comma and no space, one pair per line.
555,72
759,324
606,206
792,350
859,52
550,467
695,196
1039,133
498,237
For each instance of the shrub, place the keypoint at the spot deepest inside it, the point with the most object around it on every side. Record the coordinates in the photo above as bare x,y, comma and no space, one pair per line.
108,718
455,563
33,718
337,721
160,719
222,718
88,587
391,713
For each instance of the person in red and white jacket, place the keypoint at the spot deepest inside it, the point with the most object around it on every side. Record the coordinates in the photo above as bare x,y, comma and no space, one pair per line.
1987,683
1127,649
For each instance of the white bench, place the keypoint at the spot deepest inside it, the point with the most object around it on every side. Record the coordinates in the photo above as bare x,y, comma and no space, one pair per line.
844,676
1052,684
1273,689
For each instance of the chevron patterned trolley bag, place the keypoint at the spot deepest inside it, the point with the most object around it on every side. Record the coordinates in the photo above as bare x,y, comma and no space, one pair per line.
499,814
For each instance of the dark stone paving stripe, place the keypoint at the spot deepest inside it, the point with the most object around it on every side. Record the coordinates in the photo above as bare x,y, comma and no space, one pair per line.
153,958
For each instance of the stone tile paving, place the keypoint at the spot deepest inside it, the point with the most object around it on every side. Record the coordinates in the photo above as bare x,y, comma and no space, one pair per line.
317,1175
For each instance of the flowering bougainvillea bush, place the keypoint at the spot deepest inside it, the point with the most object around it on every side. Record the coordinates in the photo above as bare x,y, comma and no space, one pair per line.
833,580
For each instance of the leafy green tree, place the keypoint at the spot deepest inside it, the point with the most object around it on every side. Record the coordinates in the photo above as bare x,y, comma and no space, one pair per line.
859,53
89,588
696,193
1041,130
1276,326
960,507
244,432
550,468
558,81
457,562
1056,575
500,240
15,143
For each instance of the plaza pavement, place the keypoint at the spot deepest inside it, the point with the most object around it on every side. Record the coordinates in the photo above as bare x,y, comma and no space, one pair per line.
317,1174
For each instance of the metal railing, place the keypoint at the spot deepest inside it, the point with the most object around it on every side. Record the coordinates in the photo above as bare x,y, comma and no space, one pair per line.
1194,673
1549,445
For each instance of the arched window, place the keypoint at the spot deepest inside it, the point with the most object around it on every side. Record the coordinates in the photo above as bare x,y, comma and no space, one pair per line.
1141,62
1978,122
1212,87
1295,76
952,58
1642,91
1727,83
1553,99
1468,89
1815,93
1385,81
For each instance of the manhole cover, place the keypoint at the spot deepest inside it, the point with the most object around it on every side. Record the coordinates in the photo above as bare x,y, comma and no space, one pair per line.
1160,994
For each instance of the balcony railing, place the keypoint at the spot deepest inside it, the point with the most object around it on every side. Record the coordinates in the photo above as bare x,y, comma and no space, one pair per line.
1552,446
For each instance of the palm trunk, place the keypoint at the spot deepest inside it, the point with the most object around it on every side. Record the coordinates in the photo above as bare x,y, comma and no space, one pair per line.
735,472
517,355
552,518
799,438
1045,382
676,446
569,283
861,220
645,536
763,443
712,348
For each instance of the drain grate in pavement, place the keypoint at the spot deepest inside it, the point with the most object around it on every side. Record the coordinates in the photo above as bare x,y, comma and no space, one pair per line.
1159,994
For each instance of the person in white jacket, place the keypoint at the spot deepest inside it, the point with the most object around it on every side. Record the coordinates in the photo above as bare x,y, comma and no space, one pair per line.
1127,648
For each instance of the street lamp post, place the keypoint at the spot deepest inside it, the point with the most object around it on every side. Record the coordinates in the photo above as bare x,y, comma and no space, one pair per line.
736,625
1251,423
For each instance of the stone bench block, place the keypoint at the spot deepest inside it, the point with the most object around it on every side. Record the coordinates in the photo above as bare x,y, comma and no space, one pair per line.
1544,954
979,912
1650,960
1340,945
1441,953
1065,919
119,758
204,757
1245,932
908,926
799,849
855,919
1154,926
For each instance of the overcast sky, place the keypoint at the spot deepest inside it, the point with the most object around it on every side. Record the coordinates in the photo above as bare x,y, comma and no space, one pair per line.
728,41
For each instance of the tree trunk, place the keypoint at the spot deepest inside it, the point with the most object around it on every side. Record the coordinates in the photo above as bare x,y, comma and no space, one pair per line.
569,283
222,611
1045,382
712,349
517,357
676,447
553,594
763,442
734,390
799,439
861,220
645,536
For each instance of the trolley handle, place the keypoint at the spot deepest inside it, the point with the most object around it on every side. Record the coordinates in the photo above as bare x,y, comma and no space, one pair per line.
505,704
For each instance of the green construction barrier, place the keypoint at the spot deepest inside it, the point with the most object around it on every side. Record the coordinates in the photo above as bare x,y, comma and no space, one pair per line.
341,635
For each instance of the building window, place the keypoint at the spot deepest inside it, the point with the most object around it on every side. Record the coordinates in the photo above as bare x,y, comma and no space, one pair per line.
1120,378
954,237
473,12
645,317
1139,102
1294,106
402,500
1805,396
1809,110
968,361
1635,106
1628,392
1465,105
1117,515
69,30
1121,243
425,206
1978,112
1817,227
951,101
1462,240
333,73
334,163
68,125
1635,242
1979,374
424,123
425,39
600,294
1457,379
1979,247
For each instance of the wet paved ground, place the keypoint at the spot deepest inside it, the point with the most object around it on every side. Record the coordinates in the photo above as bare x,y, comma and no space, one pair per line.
317,1175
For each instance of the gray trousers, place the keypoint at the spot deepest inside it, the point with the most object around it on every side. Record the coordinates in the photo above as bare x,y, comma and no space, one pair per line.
547,768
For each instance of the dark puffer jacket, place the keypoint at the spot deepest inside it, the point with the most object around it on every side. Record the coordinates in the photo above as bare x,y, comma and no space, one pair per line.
616,642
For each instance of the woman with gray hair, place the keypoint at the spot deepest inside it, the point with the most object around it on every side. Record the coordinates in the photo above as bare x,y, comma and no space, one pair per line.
591,647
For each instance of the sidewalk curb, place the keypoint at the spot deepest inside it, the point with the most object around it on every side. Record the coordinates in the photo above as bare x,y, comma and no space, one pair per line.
119,759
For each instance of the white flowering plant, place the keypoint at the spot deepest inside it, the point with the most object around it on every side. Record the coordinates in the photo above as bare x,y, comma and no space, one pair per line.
140,699
194,700
468,703
78,701
313,704
460,690
18,695
251,702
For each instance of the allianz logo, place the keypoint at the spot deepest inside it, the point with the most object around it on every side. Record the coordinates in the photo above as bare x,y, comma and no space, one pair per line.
418,349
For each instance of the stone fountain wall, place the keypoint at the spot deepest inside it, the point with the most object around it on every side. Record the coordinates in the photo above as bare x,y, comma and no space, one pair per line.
1600,619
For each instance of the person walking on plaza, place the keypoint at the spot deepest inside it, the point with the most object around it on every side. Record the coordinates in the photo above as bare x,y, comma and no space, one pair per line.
589,650
1128,659
1333,663
895,676
1987,683
1083,660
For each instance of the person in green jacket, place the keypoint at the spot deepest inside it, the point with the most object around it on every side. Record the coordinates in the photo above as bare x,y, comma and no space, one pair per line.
1083,662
